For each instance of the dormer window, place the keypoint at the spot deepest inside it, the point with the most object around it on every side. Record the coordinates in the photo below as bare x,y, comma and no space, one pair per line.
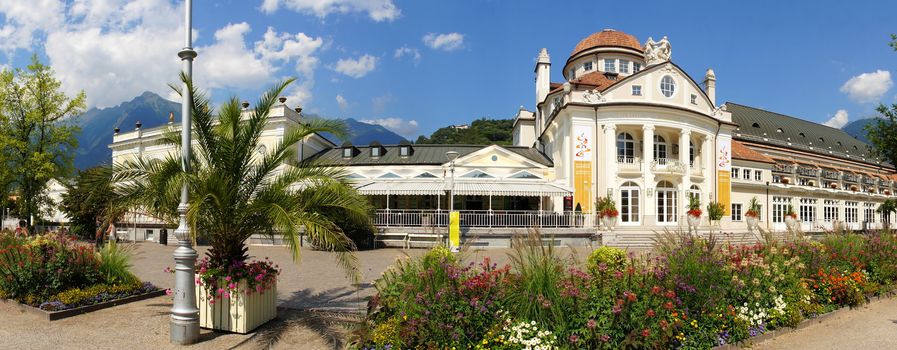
636,67
587,66
610,66
376,150
405,149
624,66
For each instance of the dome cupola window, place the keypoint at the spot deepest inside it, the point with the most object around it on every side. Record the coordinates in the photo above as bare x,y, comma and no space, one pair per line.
610,65
624,66
636,67
587,66
667,86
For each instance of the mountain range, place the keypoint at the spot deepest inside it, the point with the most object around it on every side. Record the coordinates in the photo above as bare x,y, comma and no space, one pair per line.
151,110
857,128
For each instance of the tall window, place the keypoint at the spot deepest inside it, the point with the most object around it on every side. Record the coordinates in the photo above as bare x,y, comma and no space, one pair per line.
587,66
746,174
736,173
691,153
869,212
667,86
666,202
624,66
851,211
610,65
757,175
636,67
779,208
830,210
629,203
625,146
694,192
736,212
660,147
807,209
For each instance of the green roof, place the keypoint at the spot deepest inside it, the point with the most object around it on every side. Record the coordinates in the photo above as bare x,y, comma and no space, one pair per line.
422,154
761,126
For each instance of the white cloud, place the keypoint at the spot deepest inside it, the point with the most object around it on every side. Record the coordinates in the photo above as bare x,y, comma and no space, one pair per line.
356,68
377,10
406,128
407,51
116,49
378,104
342,102
445,42
868,87
838,120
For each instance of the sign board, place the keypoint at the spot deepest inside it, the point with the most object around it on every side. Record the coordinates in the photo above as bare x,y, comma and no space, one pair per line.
582,168
454,229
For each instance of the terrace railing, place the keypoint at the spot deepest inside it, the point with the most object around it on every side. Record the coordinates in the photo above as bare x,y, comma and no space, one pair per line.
482,218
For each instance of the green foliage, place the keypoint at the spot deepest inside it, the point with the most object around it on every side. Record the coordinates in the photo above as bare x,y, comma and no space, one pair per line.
540,271
694,202
716,210
115,264
45,265
753,207
882,132
87,201
37,132
481,132
236,192
607,207
78,296
606,259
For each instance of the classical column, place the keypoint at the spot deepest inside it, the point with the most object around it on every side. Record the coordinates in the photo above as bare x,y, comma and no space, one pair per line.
650,204
610,157
707,163
684,141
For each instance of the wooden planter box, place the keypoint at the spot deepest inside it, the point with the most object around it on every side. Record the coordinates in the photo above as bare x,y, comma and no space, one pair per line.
241,313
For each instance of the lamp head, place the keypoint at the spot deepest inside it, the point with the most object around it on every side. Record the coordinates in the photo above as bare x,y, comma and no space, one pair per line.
451,155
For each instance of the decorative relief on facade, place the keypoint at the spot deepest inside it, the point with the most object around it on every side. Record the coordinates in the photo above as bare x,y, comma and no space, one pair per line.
593,96
657,51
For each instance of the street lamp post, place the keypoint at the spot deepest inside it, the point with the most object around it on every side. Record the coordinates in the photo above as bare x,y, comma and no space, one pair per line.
184,313
451,156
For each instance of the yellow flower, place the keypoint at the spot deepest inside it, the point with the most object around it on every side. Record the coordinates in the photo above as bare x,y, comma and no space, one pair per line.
485,342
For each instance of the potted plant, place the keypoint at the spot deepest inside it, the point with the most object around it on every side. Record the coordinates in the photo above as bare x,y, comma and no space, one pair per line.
607,211
694,211
786,180
752,215
715,212
791,219
833,185
235,193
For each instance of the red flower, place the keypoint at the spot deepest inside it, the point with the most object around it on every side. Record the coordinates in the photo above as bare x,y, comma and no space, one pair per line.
646,333
651,313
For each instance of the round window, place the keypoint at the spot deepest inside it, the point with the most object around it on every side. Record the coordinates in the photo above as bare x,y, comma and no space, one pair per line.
667,86
494,158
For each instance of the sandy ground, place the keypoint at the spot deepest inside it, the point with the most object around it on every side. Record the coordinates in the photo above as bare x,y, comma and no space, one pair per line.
316,301
873,326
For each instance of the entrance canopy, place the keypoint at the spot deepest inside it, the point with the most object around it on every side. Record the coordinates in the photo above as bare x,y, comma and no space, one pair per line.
465,188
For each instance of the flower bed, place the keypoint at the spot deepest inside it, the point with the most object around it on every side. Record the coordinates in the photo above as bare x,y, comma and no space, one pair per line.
56,273
693,295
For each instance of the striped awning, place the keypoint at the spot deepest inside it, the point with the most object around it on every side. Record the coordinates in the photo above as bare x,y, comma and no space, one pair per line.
523,189
415,188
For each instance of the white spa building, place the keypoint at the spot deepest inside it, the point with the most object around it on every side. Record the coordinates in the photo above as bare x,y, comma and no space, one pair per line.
623,121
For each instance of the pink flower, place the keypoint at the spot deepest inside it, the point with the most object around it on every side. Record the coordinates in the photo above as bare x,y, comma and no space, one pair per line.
228,278
231,286
591,324
168,269
168,292
220,290
212,302
226,295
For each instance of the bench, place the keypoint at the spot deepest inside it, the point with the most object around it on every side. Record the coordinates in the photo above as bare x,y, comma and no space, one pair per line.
425,238
392,237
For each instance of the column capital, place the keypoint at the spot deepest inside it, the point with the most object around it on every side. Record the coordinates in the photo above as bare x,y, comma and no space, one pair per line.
610,127
648,127
705,137
684,132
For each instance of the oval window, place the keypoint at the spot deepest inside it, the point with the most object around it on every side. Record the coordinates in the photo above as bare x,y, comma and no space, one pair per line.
667,86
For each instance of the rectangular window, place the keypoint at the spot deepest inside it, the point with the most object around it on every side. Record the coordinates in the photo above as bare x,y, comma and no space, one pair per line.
610,65
777,178
851,211
624,66
869,212
736,211
694,99
780,208
735,173
807,210
572,74
636,67
636,90
587,66
375,152
747,174
758,176
403,151
347,153
830,210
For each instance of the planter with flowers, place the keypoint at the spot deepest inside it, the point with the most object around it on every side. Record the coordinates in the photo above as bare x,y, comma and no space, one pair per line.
752,215
715,212
237,298
694,211
607,211
833,186
791,220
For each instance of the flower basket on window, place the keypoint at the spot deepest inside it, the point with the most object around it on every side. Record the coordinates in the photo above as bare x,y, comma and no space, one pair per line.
607,211
786,180
853,188
752,215
833,186
694,211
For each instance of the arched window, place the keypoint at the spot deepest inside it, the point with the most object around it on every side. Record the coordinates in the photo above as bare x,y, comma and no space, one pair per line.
691,153
629,203
625,147
660,148
694,192
667,203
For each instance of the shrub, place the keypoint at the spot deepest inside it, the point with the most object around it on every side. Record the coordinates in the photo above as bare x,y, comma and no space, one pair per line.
716,210
539,272
115,264
606,259
45,265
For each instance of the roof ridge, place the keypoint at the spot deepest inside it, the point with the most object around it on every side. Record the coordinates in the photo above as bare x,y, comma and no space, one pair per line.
788,116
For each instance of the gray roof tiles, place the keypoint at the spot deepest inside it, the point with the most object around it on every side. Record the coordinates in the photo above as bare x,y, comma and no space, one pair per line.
422,154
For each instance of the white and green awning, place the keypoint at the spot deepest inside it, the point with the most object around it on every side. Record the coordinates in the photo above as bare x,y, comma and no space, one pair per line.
465,188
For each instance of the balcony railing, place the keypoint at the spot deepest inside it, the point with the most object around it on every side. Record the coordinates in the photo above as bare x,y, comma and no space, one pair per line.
868,180
482,218
783,168
667,165
851,178
629,164
809,172
828,174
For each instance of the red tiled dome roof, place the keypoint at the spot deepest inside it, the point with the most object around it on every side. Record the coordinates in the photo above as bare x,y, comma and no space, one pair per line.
607,37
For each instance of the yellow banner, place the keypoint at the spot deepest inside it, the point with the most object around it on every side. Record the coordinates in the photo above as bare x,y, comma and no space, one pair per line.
724,190
454,229
582,185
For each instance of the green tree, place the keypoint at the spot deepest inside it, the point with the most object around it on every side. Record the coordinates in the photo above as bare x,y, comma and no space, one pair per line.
882,133
37,127
87,201
236,192
886,208
481,132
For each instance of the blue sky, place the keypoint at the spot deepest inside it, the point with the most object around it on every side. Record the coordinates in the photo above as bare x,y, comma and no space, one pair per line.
415,66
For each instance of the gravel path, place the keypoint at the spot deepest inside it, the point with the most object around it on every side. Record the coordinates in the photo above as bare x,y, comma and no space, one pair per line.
313,297
873,326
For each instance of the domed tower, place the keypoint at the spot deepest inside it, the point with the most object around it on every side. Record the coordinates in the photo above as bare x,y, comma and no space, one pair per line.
608,51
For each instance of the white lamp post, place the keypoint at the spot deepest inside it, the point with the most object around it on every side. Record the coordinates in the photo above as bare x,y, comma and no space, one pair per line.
451,156
184,313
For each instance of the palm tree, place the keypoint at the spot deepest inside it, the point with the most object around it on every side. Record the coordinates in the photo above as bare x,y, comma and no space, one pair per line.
237,191
886,208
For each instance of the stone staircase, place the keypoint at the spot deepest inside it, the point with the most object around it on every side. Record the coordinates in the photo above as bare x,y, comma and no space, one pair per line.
641,238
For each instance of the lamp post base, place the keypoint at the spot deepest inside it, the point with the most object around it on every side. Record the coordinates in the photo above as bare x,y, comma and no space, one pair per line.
184,332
